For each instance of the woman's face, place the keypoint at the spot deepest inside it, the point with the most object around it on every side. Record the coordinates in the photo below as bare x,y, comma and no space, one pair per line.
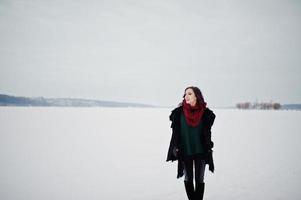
190,97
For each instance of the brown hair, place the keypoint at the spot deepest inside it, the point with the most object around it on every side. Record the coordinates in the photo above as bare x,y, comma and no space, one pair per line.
198,94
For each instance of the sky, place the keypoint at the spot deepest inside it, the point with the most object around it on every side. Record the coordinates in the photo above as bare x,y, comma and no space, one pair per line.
149,51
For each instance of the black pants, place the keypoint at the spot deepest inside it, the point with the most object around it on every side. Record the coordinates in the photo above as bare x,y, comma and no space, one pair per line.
199,168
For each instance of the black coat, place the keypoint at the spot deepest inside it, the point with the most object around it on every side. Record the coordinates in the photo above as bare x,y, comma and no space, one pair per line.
174,150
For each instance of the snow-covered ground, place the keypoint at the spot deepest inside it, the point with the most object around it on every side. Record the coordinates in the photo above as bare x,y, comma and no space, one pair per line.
119,153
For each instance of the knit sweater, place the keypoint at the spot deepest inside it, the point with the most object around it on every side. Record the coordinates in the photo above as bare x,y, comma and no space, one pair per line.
190,138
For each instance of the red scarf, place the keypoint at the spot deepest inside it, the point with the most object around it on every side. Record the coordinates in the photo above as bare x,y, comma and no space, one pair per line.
193,114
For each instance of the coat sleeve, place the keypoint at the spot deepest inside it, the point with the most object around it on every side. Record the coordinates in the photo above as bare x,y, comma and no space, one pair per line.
172,154
208,141
207,131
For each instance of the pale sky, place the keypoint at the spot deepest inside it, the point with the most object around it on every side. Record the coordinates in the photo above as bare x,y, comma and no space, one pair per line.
149,51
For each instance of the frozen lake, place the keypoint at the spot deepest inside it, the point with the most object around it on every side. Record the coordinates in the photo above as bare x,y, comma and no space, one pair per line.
51,153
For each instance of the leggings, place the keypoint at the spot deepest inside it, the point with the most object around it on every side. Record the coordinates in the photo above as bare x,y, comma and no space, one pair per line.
199,166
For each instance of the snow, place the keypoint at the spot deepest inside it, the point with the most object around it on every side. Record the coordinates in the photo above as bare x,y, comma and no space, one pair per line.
113,153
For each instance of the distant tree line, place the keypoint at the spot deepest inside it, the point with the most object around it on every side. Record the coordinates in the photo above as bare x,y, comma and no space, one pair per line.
262,105
7,100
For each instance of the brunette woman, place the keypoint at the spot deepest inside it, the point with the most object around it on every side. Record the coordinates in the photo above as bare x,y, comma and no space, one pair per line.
191,143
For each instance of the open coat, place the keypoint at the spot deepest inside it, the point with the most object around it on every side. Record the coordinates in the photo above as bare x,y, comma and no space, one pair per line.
174,150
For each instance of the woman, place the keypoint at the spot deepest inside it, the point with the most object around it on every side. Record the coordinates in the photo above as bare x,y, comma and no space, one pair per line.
191,141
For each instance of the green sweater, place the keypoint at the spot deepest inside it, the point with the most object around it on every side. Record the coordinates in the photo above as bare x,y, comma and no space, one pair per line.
190,138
